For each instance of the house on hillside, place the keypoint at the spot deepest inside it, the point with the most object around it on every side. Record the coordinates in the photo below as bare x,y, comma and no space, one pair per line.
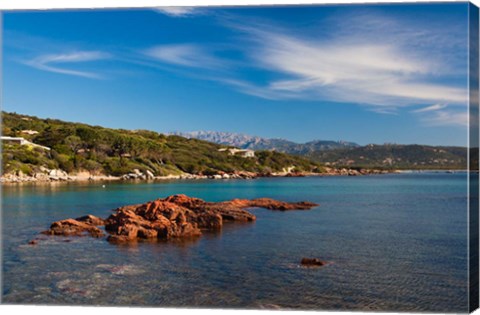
240,152
29,132
22,141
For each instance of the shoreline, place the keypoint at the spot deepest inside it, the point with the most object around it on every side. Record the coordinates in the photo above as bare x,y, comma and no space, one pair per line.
57,175
66,178
71,179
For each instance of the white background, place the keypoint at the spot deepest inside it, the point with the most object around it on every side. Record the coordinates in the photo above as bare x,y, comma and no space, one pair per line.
57,4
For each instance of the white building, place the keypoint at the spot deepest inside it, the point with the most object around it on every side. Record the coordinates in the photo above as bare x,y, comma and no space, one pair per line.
29,132
240,152
22,141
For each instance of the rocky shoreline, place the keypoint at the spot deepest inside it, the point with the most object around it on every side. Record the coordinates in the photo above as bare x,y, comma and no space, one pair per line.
174,217
56,175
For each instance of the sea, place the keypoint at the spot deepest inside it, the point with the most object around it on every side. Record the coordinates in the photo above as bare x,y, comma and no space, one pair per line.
395,242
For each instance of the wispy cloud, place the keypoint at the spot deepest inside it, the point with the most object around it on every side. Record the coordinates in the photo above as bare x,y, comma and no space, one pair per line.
249,88
447,118
443,115
371,70
430,108
187,55
370,73
378,62
53,62
178,11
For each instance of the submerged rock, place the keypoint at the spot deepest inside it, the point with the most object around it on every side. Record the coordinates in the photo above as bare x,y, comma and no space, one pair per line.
271,204
174,217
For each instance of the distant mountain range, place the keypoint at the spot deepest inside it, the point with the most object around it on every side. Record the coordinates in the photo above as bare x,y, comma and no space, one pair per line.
244,141
348,154
397,156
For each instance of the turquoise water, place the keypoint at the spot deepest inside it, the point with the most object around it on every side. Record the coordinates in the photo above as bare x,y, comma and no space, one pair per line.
394,242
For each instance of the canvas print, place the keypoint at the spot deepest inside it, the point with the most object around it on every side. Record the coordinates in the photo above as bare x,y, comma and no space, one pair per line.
320,157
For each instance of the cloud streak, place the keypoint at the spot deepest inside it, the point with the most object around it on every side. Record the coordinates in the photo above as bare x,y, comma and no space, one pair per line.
53,62
380,63
381,75
186,55
369,73
178,11
447,118
430,108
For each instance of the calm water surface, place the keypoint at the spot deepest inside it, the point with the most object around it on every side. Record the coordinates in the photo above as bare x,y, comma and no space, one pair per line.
395,242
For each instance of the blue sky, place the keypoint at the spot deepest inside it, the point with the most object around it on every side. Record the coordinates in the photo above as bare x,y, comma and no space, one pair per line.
369,74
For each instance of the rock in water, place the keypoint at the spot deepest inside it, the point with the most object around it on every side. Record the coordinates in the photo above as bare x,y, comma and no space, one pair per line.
155,219
92,220
177,216
71,227
271,204
312,262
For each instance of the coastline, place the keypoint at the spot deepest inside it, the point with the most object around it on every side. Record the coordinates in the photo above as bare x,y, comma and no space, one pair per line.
61,177
140,177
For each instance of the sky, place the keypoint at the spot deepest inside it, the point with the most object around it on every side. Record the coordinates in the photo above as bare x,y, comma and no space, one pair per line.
361,73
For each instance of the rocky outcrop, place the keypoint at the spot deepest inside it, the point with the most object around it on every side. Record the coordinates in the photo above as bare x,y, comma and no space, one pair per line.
149,174
187,202
156,219
46,175
356,172
72,227
43,174
271,204
225,210
174,217
91,220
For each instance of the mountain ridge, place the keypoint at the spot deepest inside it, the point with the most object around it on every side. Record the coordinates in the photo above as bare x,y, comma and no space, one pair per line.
347,154
245,141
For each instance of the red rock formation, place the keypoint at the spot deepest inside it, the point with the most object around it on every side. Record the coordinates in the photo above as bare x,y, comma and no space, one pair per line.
92,220
209,220
177,216
210,210
71,227
187,202
155,219
271,204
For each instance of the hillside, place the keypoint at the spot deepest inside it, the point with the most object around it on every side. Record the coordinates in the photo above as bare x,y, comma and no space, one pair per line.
349,154
395,156
257,143
77,147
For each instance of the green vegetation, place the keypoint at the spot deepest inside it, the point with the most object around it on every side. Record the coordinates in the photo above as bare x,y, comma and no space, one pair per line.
395,156
79,147
349,154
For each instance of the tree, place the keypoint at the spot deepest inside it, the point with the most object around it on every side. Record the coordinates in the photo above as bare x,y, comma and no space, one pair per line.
120,146
88,135
74,143
136,147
